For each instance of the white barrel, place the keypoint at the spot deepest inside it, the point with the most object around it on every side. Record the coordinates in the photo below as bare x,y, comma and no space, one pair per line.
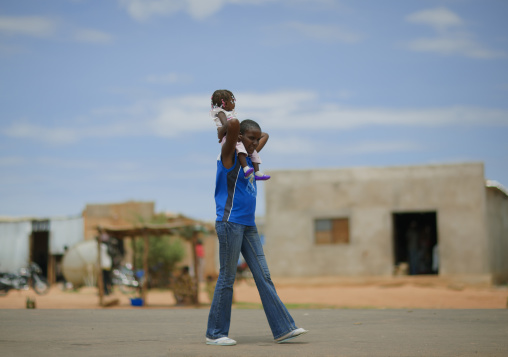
79,264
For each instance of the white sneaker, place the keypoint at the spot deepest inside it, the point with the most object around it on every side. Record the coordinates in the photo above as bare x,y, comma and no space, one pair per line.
222,341
291,335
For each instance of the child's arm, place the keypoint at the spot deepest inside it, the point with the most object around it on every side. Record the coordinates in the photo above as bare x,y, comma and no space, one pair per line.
262,141
221,132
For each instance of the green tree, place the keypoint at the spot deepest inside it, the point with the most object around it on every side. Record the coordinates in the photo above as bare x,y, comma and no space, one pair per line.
163,255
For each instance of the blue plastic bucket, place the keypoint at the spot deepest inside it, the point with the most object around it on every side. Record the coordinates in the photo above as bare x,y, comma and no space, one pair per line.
136,302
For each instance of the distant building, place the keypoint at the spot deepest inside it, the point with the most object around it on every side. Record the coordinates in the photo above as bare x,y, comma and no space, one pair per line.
116,215
44,240
128,214
39,240
433,219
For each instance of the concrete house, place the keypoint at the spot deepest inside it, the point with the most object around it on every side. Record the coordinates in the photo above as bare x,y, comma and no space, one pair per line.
433,219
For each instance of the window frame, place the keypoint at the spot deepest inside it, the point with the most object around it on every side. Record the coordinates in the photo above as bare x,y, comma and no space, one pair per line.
337,234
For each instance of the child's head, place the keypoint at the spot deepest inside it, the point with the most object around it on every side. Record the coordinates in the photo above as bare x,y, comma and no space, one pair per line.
223,98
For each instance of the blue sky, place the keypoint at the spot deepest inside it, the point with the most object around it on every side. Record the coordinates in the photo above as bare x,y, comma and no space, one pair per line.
107,101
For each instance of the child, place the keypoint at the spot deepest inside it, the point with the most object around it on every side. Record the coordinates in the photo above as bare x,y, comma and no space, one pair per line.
223,106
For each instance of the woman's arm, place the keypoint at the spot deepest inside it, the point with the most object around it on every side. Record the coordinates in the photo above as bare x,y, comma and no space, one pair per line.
228,150
262,141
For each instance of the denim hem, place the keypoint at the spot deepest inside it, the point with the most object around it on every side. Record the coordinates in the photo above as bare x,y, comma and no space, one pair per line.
285,333
214,338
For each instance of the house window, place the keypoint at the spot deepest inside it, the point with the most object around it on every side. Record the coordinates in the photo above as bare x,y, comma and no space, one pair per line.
331,231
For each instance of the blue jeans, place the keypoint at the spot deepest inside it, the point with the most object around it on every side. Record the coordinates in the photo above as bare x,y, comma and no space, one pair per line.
233,239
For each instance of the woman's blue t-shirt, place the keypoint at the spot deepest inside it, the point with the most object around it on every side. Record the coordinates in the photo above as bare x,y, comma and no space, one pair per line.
235,195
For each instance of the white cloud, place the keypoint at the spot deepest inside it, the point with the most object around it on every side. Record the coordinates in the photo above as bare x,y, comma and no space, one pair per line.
68,164
44,27
55,136
439,18
70,135
454,44
11,161
306,146
11,49
143,10
451,36
199,9
291,109
181,114
170,78
92,36
380,147
294,145
88,165
322,32
288,111
35,26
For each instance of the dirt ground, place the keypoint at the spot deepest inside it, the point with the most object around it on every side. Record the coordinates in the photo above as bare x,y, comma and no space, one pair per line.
313,293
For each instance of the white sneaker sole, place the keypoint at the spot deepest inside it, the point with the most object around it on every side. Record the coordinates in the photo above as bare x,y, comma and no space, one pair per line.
223,341
290,337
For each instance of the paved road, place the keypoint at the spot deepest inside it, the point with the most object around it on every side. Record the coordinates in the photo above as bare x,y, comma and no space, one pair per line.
170,332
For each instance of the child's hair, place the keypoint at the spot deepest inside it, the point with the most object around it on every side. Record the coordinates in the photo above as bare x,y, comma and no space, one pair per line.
248,124
220,96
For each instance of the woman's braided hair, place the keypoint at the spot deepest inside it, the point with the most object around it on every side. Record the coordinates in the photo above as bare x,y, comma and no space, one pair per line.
220,96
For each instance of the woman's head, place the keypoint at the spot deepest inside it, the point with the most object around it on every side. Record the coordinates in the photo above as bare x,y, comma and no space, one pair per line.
248,124
250,133
223,98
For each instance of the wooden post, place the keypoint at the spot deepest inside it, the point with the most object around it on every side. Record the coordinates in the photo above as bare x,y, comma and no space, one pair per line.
52,269
32,253
134,256
145,267
194,242
100,281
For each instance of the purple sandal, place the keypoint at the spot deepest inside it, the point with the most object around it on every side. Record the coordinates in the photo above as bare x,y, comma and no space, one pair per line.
262,178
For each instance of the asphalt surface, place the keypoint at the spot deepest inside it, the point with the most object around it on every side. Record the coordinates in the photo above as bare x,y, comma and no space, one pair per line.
180,332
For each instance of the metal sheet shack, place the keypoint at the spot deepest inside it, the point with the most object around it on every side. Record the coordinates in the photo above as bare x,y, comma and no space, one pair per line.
39,240
434,219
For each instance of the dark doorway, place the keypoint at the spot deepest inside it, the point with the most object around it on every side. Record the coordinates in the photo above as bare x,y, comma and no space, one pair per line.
415,242
39,245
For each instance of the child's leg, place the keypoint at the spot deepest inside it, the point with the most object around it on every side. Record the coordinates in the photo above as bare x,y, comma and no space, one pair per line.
256,160
243,161
242,157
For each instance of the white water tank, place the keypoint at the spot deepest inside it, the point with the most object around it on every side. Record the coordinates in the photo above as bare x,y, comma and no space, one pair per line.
79,264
